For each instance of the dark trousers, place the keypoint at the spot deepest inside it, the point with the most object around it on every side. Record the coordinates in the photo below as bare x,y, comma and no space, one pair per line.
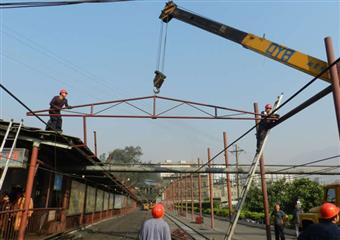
55,123
279,235
260,135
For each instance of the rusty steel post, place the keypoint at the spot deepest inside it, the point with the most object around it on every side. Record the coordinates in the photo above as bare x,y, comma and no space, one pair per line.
85,130
95,143
28,191
335,79
178,195
263,182
199,190
237,174
228,176
211,192
186,195
181,195
192,197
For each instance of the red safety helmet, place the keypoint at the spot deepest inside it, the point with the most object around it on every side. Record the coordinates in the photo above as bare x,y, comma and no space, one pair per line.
158,211
63,91
268,106
328,210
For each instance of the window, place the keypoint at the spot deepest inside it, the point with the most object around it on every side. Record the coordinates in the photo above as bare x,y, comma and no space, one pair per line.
330,197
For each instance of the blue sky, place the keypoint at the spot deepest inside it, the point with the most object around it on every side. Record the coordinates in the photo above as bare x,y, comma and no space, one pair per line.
109,51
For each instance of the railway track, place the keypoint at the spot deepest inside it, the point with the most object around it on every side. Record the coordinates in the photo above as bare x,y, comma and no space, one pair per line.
188,233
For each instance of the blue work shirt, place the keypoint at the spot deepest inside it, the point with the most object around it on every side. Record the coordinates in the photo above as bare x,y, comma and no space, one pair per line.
321,231
155,229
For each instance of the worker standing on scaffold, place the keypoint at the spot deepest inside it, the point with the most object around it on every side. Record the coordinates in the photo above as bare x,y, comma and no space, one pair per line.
264,125
155,228
56,104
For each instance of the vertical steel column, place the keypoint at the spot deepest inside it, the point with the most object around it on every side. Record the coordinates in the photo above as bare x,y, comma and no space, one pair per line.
335,79
199,190
192,197
263,181
228,176
95,143
181,195
28,191
211,192
178,196
85,130
186,195
173,195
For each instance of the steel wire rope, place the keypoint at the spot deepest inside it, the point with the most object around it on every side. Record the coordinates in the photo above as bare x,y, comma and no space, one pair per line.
107,173
304,164
275,110
164,47
311,162
160,41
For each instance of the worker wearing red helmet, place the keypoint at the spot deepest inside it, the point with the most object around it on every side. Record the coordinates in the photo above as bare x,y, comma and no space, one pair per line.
327,228
155,228
56,104
264,125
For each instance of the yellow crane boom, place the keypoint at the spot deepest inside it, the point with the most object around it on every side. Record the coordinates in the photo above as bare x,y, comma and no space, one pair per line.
280,53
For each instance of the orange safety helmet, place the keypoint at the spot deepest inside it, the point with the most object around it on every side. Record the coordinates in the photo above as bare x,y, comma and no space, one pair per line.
268,106
158,211
328,210
63,91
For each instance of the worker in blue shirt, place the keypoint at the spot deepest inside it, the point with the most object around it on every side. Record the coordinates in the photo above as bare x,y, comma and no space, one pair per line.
327,228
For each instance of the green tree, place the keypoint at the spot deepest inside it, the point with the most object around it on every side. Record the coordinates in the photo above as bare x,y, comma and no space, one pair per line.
254,200
286,193
131,155
310,193
277,193
128,155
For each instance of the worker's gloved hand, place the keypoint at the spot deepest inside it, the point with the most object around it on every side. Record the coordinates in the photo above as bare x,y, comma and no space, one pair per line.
69,107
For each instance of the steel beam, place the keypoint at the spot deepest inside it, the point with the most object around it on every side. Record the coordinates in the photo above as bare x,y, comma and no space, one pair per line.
271,169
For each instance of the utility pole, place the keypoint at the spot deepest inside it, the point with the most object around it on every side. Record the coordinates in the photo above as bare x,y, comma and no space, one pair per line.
237,151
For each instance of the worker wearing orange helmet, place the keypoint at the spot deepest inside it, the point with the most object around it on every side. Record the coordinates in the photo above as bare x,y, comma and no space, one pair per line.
327,228
155,228
264,125
56,104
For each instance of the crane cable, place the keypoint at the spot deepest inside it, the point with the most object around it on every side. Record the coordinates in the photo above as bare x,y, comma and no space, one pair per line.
160,61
